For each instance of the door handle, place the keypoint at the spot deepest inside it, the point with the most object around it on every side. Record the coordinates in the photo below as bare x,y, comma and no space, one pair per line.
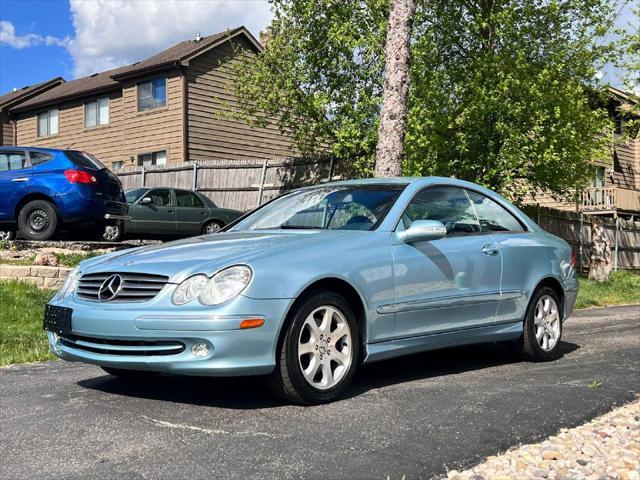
169,211
489,249
21,179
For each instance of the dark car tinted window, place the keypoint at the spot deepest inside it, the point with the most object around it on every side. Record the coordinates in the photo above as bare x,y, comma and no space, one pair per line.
135,194
37,158
493,217
451,206
12,161
160,197
187,199
84,159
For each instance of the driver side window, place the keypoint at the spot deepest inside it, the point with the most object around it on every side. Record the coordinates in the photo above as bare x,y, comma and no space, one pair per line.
449,205
160,197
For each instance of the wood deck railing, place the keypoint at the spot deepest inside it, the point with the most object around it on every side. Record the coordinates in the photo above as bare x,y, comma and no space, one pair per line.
604,199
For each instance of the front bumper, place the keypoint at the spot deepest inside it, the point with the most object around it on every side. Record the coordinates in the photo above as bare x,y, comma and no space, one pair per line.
142,337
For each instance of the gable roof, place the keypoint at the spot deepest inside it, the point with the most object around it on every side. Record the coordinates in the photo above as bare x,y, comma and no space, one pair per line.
23,93
174,56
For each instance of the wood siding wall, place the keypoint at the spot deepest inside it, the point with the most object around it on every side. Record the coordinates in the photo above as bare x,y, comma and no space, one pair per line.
6,130
211,134
129,132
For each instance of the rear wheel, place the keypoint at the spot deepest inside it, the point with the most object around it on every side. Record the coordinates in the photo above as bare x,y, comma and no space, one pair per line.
128,374
318,355
542,326
211,227
38,220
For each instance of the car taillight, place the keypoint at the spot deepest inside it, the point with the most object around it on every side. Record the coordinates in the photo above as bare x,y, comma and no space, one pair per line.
79,176
574,260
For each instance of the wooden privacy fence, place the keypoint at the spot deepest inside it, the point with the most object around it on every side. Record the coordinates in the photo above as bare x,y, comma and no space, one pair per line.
241,184
575,229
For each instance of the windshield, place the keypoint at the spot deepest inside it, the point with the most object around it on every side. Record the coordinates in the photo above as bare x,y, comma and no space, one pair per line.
133,195
344,207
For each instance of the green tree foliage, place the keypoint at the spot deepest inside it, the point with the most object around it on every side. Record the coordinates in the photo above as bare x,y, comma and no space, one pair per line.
500,89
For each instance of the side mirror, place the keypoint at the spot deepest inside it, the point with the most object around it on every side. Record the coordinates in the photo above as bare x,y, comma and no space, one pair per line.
145,201
423,230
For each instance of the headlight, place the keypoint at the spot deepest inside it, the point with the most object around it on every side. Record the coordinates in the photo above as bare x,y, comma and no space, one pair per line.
225,285
69,285
189,289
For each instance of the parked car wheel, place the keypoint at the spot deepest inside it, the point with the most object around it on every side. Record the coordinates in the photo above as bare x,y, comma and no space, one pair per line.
6,235
128,374
542,326
38,220
112,233
212,227
319,353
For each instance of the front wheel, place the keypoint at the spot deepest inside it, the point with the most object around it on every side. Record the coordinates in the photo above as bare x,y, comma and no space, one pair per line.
318,355
542,326
38,220
6,235
112,233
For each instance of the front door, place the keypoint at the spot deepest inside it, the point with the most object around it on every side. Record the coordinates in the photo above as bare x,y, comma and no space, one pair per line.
447,284
155,216
15,177
191,213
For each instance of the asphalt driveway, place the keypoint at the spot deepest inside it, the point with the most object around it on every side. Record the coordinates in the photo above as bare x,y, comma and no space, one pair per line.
417,416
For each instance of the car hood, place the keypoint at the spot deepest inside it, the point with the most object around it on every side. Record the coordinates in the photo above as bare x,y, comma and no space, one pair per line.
208,253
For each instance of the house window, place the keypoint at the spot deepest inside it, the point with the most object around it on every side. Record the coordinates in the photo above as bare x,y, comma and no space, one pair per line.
152,94
48,123
96,113
117,165
150,159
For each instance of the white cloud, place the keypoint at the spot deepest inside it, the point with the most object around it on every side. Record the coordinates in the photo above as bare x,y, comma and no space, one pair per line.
8,36
111,33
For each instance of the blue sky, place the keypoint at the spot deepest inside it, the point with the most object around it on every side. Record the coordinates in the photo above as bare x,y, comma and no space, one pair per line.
29,65
42,39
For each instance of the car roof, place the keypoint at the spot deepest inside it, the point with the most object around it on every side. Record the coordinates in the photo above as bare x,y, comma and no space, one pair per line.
39,149
399,181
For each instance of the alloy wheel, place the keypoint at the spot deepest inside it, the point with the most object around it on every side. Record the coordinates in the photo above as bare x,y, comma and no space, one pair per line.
212,227
325,349
547,323
111,233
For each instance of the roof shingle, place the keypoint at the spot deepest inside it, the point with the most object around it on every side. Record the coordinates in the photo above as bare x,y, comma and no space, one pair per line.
111,78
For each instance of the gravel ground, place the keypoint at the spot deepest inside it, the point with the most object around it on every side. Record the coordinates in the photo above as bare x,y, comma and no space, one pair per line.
607,447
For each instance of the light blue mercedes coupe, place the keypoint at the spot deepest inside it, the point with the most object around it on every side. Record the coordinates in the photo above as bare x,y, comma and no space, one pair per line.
319,281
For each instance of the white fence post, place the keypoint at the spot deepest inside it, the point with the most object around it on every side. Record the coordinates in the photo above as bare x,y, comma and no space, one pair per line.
615,248
194,183
143,171
263,175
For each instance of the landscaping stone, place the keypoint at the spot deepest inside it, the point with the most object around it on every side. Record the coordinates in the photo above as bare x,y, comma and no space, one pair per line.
608,447
46,258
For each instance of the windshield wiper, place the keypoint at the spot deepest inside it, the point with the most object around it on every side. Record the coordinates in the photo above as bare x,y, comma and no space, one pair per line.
299,227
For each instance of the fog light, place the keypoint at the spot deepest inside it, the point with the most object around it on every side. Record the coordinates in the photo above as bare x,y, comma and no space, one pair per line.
200,350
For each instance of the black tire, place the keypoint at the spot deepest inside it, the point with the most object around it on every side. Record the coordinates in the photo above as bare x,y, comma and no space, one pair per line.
529,347
211,224
112,232
129,374
6,235
38,220
287,380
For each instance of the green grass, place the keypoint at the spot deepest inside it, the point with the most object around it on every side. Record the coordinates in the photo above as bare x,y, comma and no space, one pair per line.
64,259
22,307
21,311
622,287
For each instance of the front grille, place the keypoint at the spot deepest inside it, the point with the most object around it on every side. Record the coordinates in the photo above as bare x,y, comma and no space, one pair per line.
123,347
136,287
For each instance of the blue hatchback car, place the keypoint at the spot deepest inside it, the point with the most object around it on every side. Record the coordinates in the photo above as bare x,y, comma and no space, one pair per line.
42,189
315,283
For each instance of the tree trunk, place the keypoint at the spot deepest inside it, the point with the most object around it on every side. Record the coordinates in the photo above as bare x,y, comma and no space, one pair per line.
393,116
600,267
